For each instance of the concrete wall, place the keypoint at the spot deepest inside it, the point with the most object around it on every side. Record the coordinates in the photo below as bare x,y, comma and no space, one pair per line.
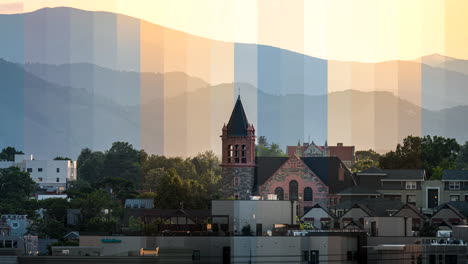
389,226
265,249
251,212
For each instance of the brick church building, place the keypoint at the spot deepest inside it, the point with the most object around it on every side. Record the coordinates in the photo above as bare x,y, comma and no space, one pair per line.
309,180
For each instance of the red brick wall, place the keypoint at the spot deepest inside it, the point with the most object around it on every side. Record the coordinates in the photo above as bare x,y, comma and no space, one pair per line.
295,169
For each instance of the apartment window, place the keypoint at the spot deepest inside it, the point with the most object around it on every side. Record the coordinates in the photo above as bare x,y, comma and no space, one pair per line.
39,169
466,197
58,179
29,169
410,185
454,198
39,179
454,185
58,170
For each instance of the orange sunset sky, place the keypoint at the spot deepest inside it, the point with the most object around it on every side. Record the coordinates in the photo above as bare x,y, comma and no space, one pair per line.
358,30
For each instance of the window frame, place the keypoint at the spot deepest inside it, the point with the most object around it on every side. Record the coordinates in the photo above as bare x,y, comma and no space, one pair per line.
411,185
454,185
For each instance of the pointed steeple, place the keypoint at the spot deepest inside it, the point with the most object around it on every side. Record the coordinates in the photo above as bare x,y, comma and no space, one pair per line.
238,123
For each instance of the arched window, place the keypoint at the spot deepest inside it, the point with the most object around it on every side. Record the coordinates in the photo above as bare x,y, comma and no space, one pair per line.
279,193
293,190
308,194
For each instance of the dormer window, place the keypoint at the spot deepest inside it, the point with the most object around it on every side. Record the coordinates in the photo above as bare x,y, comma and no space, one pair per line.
410,185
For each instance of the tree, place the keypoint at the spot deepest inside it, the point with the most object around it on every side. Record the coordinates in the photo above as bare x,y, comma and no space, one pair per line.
91,165
119,188
62,158
271,150
122,161
53,223
79,188
430,153
8,153
367,154
462,159
99,211
262,141
364,164
171,191
16,188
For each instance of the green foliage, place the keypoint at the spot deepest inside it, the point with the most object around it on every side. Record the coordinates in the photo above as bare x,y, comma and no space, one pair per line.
79,188
200,175
271,150
120,188
135,224
367,155
16,187
122,161
175,192
364,164
91,165
462,159
429,153
8,153
62,158
262,141
99,211
304,225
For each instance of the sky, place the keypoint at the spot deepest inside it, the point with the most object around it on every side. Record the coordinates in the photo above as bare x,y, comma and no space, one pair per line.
358,30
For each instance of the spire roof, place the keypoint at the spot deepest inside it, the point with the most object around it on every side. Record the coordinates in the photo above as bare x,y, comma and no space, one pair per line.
238,123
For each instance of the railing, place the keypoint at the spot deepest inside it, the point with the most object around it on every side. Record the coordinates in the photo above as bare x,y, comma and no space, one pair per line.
444,242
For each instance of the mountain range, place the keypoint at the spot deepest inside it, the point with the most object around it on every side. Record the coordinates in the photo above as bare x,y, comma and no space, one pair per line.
72,79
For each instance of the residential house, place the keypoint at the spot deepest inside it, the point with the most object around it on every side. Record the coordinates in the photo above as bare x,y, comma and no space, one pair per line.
321,218
400,185
451,213
345,153
455,185
355,211
410,211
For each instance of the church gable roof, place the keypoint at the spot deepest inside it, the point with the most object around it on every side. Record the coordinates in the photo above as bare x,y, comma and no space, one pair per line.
327,169
238,123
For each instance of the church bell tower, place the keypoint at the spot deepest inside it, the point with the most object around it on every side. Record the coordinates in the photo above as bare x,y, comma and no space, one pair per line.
238,155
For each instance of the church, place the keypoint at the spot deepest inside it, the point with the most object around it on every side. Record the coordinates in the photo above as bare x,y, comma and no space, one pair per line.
308,180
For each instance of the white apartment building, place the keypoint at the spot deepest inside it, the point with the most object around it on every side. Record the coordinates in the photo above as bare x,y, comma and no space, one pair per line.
52,175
